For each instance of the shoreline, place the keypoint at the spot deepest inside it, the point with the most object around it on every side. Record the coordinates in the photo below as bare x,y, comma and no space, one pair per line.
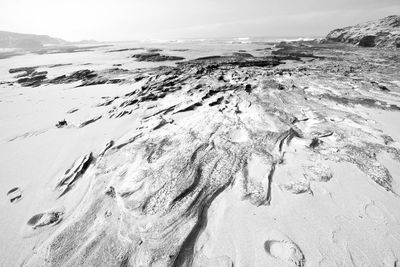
213,160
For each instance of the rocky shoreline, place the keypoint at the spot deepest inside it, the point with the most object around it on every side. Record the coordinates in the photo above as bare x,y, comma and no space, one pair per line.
384,33
284,156
203,125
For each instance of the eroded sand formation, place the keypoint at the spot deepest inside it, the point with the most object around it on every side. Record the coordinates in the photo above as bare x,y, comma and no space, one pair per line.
226,125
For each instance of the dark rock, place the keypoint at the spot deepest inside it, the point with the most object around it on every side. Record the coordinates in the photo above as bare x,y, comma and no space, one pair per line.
28,70
383,88
152,50
99,80
180,50
107,102
83,74
32,81
292,51
80,75
243,55
216,102
248,88
123,50
210,93
59,65
83,124
315,143
72,110
367,41
111,192
155,57
61,124
189,107
208,58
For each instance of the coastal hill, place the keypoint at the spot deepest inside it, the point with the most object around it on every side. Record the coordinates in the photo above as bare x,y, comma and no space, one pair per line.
27,41
381,33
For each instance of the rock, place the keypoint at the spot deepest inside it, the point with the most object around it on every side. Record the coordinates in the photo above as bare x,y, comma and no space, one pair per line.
106,102
111,192
107,147
387,139
381,33
75,172
188,107
292,51
216,101
155,57
89,121
315,143
242,55
30,77
82,75
61,124
27,70
214,62
73,110
383,87
367,41
248,88
123,50
180,50
59,65
74,77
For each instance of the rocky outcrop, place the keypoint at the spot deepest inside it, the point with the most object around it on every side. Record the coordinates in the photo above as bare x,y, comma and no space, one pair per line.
381,33
212,123
29,77
155,57
75,172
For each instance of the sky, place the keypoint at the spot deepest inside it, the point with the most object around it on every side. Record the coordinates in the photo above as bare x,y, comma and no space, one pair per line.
119,20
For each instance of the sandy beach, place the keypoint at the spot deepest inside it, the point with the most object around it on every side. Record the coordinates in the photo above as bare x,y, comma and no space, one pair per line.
201,154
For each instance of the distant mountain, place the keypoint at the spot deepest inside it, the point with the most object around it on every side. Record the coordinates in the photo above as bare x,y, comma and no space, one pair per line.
27,41
381,33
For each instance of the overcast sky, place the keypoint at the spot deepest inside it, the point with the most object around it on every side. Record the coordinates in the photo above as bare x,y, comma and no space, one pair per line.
105,20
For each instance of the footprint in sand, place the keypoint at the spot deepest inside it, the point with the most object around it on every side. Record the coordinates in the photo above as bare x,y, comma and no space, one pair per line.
285,250
390,260
45,219
14,195
374,212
